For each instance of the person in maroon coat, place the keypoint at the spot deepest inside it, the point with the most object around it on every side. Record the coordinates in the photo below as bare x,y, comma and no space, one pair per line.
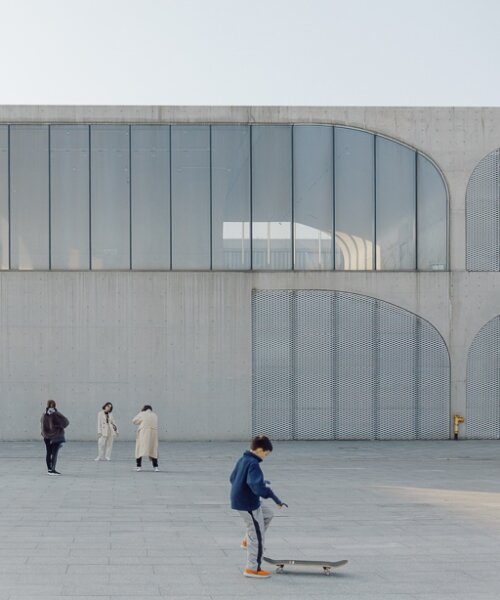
53,424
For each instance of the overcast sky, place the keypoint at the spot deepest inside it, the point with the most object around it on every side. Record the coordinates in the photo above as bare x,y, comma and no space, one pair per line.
310,52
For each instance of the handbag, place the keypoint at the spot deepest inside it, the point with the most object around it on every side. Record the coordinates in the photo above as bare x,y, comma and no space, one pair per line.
58,439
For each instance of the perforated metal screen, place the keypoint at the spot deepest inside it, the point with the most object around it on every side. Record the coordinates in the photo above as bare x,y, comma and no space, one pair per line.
483,215
336,365
483,384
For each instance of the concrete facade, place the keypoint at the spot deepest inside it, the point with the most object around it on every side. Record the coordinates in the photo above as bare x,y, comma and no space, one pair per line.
182,340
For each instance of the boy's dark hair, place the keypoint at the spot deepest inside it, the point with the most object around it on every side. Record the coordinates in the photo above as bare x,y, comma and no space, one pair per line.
108,404
263,442
146,407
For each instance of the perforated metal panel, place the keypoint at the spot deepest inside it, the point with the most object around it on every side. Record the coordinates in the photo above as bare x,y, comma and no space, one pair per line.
336,365
432,385
355,360
483,215
272,365
313,362
398,373
483,384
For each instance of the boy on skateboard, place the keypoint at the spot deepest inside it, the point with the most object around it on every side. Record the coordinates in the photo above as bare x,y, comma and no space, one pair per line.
247,487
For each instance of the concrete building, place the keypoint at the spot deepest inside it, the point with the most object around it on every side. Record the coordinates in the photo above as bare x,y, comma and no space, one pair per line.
309,272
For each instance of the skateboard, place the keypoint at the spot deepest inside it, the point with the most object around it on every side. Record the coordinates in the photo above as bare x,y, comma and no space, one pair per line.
326,565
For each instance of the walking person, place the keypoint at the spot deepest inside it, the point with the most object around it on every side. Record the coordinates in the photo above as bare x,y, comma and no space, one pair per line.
146,443
107,430
247,488
53,423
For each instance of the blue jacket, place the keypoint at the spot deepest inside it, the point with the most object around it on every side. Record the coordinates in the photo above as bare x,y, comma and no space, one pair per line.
247,484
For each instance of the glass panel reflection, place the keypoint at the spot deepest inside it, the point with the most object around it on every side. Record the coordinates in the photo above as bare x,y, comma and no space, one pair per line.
313,196
150,171
190,197
69,196
231,197
431,217
29,196
110,197
271,197
395,206
4,197
239,194
354,200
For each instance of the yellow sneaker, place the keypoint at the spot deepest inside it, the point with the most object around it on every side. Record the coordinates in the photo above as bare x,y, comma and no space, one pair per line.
258,574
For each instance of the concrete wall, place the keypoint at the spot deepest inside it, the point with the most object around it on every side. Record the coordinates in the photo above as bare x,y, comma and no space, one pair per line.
182,341
171,340
178,341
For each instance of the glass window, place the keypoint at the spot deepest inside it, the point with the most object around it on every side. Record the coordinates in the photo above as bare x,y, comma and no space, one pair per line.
4,197
313,196
110,197
231,197
354,200
150,196
432,203
223,197
69,197
271,197
395,202
190,197
29,196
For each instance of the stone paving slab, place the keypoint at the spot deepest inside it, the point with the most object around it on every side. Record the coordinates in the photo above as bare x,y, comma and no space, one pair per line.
417,521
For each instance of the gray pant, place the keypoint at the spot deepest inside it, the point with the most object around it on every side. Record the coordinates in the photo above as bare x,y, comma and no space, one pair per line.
257,521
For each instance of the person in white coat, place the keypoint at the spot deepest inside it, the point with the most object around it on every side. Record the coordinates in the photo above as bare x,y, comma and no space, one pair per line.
146,443
107,430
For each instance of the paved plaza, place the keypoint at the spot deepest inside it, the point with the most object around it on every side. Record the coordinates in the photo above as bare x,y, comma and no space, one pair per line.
417,520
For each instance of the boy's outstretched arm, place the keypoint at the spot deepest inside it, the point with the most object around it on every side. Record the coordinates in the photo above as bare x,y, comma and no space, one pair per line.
255,480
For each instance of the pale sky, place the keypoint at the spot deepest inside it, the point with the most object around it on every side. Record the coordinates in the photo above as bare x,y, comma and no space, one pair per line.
238,52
